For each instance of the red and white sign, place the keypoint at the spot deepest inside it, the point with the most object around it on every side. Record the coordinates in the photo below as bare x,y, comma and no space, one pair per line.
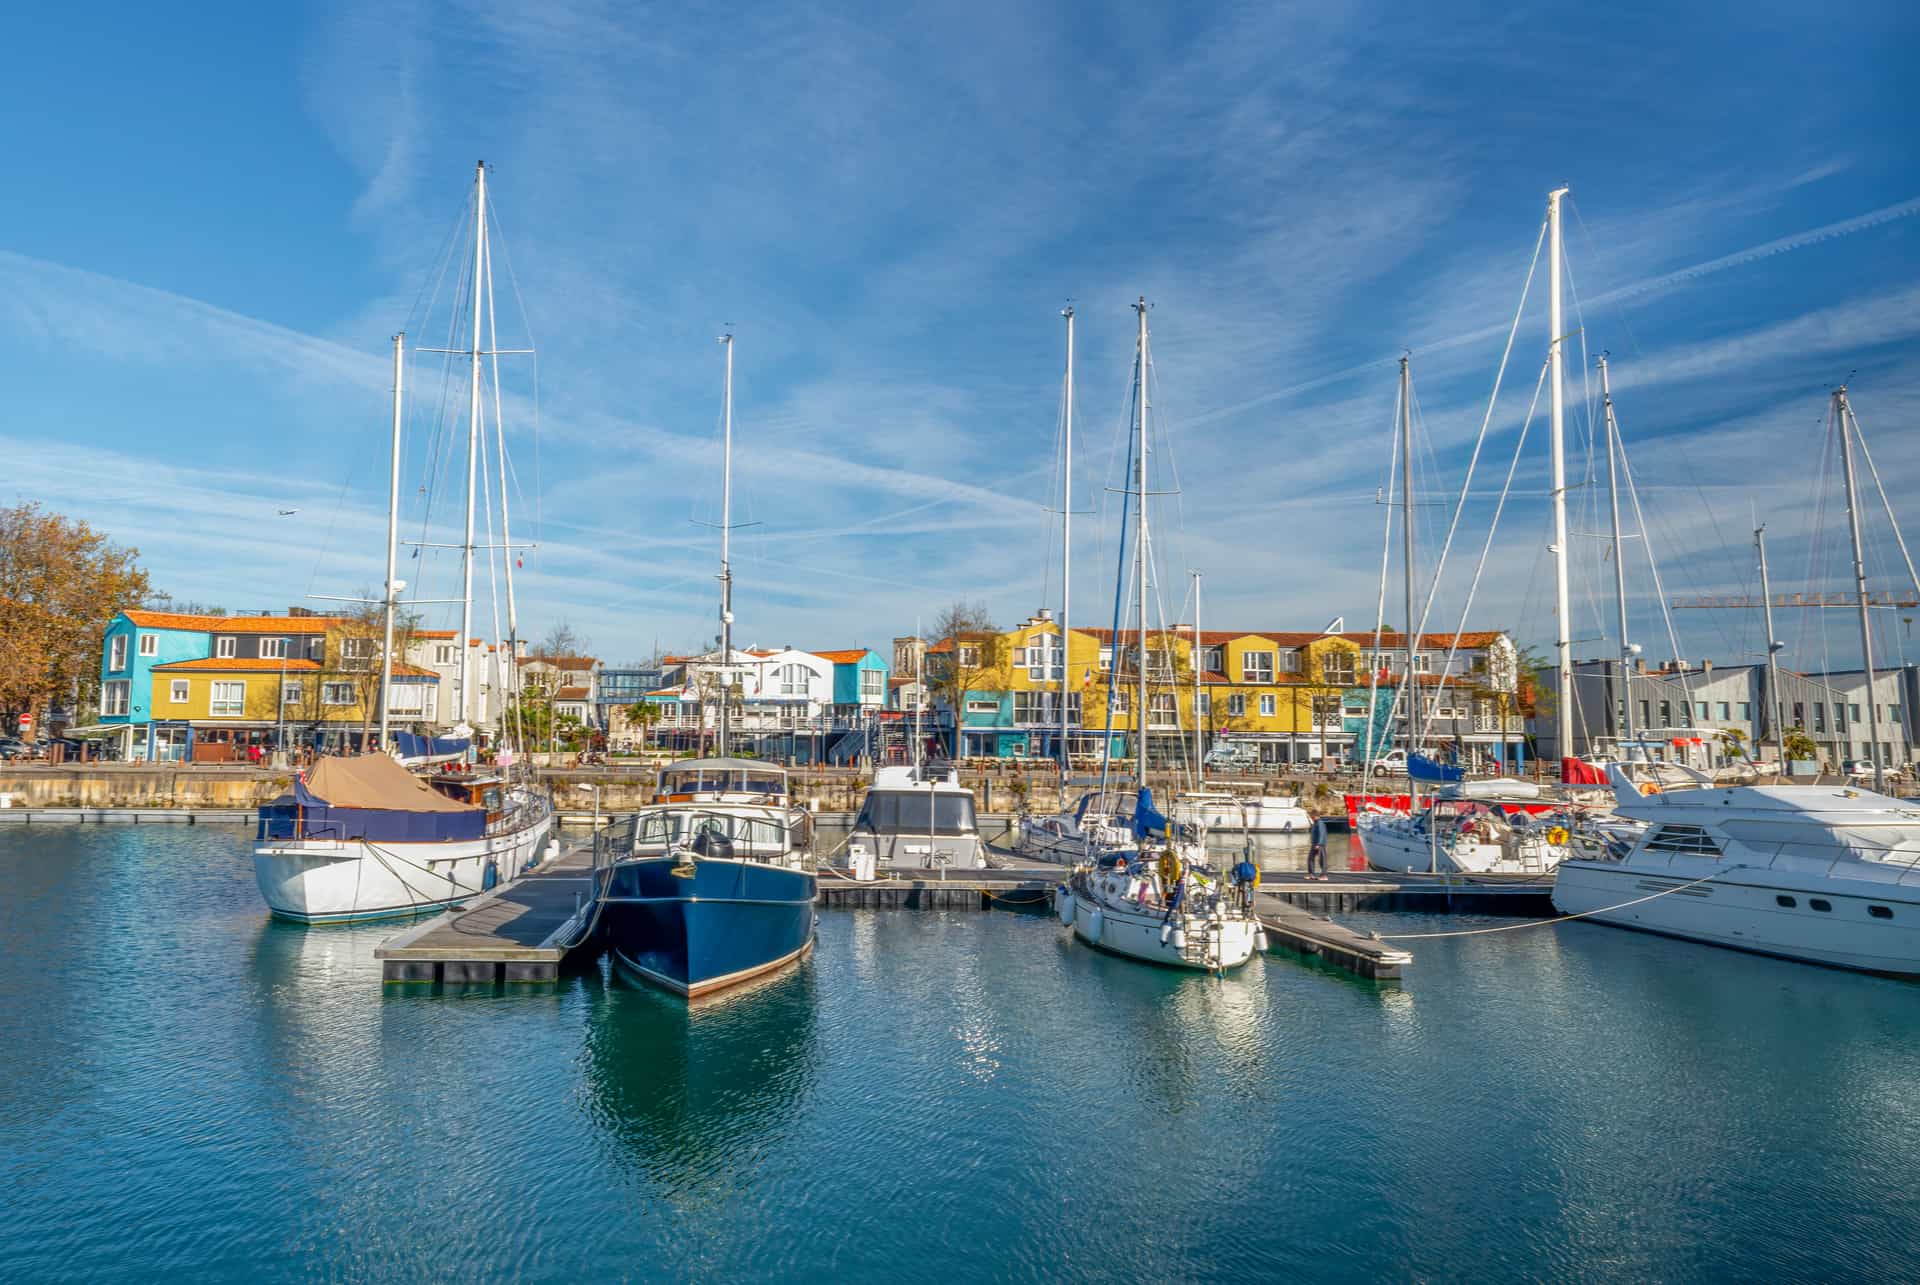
26,722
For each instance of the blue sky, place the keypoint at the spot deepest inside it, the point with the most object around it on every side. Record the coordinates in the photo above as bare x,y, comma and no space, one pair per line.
216,223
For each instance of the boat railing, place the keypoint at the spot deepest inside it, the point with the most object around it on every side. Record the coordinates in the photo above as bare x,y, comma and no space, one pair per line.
714,832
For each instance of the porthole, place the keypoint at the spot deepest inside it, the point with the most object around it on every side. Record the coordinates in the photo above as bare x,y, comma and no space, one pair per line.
1818,904
1786,901
1880,912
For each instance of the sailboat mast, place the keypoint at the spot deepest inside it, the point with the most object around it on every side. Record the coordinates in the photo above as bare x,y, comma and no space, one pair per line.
473,442
1843,413
393,540
1619,560
509,670
726,535
1407,540
1066,548
1140,558
1778,707
1563,642
1199,768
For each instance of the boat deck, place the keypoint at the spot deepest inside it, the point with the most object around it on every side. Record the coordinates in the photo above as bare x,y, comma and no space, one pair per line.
518,933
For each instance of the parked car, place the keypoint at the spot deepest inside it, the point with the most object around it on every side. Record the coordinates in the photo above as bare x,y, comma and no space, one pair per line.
1392,763
12,747
1858,769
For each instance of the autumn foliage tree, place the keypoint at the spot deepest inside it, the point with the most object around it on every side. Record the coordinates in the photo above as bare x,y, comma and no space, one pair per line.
61,583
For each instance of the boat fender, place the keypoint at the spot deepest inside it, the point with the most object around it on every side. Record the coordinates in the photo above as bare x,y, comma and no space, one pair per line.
1095,922
1179,939
1260,940
490,876
1063,904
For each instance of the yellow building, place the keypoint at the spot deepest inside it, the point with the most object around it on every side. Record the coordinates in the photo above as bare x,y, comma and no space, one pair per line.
216,709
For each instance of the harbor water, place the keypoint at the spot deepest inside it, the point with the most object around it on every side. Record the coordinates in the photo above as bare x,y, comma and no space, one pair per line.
189,1089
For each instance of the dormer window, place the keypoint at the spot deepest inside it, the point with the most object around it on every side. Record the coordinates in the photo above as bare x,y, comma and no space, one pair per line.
226,647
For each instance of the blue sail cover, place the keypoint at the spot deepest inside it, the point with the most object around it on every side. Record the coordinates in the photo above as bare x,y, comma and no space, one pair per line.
1147,823
414,746
1422,768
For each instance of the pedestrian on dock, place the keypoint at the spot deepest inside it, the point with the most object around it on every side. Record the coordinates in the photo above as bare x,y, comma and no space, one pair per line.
1317,853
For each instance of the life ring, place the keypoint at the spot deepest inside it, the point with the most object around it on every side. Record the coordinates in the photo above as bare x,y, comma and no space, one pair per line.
1649,787
1169,868
1557,836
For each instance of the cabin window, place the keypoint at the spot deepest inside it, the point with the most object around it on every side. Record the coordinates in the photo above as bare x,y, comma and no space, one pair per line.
1819,903
904,812
1688,839
1784,900
149,644
1880,912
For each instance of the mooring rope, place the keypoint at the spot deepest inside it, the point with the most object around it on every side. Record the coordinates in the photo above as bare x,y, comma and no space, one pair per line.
1559,919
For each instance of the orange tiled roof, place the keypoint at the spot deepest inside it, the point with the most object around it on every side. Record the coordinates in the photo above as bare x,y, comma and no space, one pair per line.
414,671
1481,638
234,624
846,656
570,694
560,662
241,665
436,633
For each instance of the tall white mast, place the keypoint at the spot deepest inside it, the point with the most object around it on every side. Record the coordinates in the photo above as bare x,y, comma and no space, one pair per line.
1776,708
726,533
1199,735
1406,535
1843,414
1563,642
509,669
1066,547
1140,557
473,443
393,541
1619,559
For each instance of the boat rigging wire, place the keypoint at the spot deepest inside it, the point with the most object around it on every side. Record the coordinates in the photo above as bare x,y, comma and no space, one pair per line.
1558,919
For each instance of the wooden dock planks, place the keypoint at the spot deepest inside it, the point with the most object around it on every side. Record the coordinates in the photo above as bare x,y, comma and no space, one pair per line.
518,933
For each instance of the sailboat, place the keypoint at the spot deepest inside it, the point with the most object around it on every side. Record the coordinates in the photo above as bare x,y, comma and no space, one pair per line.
1215,811
360,837
1478,827
1155,902
715,884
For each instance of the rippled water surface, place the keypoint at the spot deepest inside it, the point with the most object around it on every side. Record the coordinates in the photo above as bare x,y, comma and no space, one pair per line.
187,1089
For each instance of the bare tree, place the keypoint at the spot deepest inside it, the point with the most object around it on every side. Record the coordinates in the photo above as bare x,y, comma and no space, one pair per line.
561,640
976,659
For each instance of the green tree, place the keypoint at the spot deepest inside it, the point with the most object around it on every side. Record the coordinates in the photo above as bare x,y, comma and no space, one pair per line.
1799,745
61,584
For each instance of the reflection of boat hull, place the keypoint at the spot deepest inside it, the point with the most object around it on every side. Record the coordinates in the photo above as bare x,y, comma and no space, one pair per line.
700,924
313,881
1743,916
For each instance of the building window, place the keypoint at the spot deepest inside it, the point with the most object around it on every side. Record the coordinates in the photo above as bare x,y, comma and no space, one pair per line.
1781,899
407,698
873,685
226,647
273,649
1206,702
1880,912
1700,711
1336,667
969,656
1163,710
1819,903
290,692
1726,711
117,653
1799,714
1290,661
1746,711
793,680
1120,703
149,644
1326,712
1106,660
1666,713
1266,705
356,653
1256,667
1236,705
177,691
1646,714
983,707
443,654
229,700
1893,713
336,693
1214,659
1820,716
113,697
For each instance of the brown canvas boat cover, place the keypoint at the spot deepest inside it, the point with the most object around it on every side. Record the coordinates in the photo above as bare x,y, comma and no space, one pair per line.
376,781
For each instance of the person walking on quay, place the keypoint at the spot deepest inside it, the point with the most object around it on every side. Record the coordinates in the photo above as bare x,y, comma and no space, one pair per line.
1317,853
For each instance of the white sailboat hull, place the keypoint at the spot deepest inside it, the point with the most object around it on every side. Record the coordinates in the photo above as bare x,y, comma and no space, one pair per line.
1140,934
1266,815
338,880
1743,911
1391,843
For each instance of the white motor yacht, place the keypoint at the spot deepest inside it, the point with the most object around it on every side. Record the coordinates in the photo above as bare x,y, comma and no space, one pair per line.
1222,811
1823,874
917,816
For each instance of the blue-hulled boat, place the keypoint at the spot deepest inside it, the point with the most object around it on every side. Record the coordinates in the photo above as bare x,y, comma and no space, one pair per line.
715,884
